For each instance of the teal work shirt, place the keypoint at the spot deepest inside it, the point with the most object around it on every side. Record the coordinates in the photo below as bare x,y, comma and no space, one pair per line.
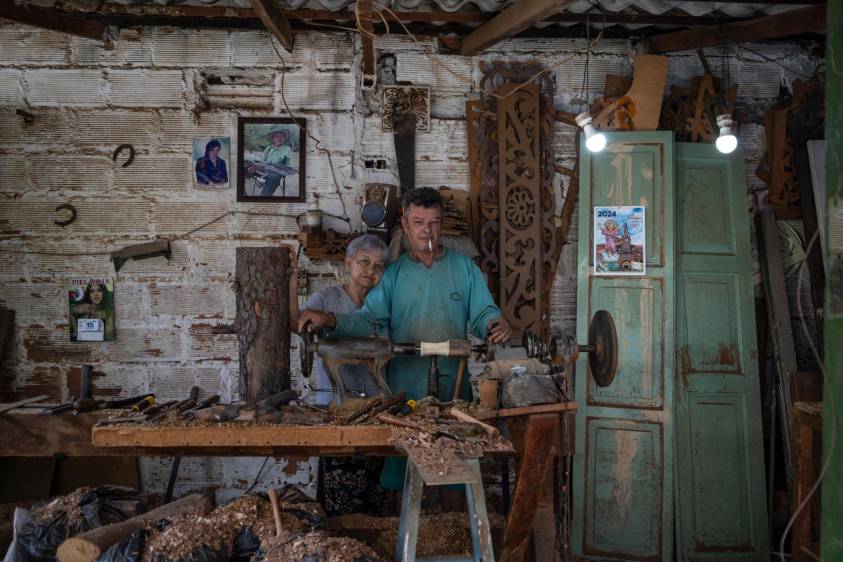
414,304
278,154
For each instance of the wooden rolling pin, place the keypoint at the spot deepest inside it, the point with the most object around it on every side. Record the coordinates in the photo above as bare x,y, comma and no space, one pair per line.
462,416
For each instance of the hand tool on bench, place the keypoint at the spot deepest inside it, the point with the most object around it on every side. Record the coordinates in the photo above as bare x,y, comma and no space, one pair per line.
209,401
19,403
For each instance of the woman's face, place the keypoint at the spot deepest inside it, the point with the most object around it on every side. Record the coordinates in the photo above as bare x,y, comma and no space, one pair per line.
96,294
366,268
215,151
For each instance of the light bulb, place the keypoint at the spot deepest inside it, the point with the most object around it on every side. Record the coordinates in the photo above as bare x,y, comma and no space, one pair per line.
594,140
726,142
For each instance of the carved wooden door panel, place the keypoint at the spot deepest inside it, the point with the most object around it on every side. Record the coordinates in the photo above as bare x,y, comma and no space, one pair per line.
721,510
623,467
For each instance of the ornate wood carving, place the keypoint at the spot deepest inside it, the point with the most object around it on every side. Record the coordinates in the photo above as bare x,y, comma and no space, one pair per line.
521,202
405,100
484,122
691,111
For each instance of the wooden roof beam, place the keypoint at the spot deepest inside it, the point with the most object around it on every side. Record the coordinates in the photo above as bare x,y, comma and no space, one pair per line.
512,20
54,21
275,21
785,24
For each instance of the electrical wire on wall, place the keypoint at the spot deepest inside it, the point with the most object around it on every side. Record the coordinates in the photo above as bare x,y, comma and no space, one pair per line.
827,392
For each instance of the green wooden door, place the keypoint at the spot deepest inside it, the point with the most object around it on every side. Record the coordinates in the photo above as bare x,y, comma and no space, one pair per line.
720,482
623,467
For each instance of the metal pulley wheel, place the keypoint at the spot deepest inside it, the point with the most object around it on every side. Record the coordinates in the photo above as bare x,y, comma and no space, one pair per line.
602,348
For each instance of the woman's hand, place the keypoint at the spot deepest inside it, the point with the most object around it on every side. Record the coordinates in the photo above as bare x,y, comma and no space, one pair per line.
311,320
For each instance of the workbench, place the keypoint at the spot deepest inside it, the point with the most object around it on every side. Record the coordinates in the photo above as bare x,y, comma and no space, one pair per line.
31,435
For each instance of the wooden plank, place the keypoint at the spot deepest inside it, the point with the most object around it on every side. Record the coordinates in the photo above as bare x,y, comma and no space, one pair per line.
54,20
19,403
7,326
805,475
275,21
526,410
536,462
365,14
515,18
33,435
778,314
785,24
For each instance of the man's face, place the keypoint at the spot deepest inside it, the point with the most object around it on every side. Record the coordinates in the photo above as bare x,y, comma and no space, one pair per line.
215,151
422,224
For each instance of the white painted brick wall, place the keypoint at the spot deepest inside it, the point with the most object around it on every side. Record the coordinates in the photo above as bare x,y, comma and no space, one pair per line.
87,100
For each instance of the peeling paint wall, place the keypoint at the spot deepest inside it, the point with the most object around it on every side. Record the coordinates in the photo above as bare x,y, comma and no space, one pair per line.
156,90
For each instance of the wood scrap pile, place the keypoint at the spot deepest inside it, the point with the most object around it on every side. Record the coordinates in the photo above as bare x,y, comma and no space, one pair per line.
318,546
440,534
691,111
321,244
632,104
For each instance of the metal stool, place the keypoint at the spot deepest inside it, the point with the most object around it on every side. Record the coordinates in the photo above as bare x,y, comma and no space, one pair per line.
408,530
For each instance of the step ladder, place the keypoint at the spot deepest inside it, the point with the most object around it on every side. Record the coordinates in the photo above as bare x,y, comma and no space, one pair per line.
408,529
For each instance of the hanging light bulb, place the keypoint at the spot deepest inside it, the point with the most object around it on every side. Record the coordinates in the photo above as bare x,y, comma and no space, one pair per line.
595,141
727,142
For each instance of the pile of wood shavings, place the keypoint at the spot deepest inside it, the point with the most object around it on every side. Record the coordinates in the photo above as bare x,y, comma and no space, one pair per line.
440,534
68,504
217,529
318,545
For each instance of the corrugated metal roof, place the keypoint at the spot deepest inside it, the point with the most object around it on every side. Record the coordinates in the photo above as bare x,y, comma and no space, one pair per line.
631,15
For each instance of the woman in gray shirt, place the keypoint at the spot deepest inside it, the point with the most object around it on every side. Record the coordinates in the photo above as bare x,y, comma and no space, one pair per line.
365,259
347,485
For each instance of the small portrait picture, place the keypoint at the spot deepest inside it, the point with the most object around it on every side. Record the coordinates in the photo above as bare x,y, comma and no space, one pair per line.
211,156
619,240
271,157
91,302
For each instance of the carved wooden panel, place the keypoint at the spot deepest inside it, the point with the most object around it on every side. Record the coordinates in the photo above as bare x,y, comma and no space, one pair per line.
521,204
484,146
401,100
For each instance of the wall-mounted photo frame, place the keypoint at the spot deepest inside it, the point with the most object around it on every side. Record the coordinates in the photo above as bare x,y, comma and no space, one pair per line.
211,158
270,153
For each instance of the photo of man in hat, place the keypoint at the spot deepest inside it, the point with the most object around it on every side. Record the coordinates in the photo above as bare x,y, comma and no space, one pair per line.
278,153
272,159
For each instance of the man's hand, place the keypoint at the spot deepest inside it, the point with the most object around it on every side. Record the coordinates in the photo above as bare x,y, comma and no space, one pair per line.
315,319
499,331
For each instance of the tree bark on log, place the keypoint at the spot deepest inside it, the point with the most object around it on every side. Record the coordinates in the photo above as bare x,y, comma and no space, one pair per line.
262,281
90,544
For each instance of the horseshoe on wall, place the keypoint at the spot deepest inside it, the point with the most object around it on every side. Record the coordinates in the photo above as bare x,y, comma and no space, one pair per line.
120,149
67,221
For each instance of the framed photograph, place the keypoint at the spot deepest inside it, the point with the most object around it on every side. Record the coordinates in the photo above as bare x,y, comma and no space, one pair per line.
91,307
270,154
211,157
619,241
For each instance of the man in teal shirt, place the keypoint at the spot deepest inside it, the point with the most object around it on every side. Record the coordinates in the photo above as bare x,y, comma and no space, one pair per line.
428,294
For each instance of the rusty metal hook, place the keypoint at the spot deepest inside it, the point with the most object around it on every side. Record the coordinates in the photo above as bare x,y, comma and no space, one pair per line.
67,221
119,149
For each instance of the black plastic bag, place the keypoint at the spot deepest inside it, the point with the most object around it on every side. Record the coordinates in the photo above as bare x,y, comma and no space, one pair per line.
40,537
129,549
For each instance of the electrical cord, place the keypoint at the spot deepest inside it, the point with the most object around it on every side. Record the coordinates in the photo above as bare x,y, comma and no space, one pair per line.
257,478
826,392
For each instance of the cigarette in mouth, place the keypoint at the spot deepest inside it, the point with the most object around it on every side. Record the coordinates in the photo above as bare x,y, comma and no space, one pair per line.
430,245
